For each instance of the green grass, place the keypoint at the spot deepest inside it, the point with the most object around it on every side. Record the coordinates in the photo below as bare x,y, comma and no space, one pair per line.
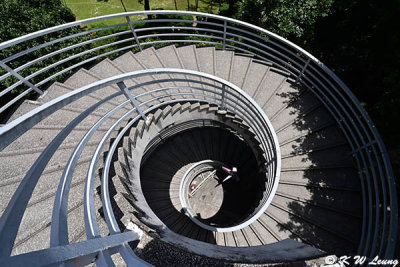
84,9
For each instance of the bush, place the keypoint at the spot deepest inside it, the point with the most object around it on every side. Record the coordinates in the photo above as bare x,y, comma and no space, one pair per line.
19,18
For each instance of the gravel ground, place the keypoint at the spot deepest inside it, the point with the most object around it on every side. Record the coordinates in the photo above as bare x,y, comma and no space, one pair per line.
159,253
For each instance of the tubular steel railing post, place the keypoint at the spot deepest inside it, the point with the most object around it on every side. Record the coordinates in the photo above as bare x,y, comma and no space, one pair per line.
224,41
303,70
80,253
223,96
134,103
134,32
19,77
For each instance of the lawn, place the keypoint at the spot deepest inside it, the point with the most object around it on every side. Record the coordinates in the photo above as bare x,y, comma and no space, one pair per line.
92,8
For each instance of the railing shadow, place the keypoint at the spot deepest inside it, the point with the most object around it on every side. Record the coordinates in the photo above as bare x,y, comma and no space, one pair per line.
320,193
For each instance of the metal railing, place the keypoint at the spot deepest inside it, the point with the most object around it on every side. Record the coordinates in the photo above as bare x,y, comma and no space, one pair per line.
208,89
380,211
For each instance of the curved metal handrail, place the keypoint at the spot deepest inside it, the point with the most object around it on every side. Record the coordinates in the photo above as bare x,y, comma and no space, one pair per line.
224,94
377,179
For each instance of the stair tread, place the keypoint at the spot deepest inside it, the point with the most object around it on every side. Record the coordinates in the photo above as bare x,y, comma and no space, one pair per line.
223,64
294,108
340,178
187,56
343,225
305,125
17,165
24,108
85,77
324,158
38,216
309,232
335,198
255,76
240,67
206,59
59,89
316,139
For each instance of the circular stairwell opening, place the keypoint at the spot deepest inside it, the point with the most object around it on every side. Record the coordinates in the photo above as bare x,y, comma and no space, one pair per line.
203,190
203,177
211,194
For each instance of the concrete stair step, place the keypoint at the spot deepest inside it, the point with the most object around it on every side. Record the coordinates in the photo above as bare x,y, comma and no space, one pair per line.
85,77
274,92
187,55
189,59
65,115
25,107
294,108
44,188
336,178
168,57
261,232
271,83
38,241
39,137
123,64
316,139
224,64
230,241
240,238
207,61
341,225
255,79
105,69
129,62
309,232
240,69
323,195
150,59
278,225
37,217
16,165
59,89
336,156
307,124
22,163
108,68
251,237
68,114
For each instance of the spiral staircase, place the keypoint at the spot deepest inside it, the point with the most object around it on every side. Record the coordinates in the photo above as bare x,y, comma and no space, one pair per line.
123,162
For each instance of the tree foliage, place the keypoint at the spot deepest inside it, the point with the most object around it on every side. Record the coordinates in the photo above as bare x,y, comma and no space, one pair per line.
360,41
19,17
357,39
288,18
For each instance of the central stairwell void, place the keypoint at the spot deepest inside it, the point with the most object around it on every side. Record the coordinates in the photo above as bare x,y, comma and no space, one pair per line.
188,136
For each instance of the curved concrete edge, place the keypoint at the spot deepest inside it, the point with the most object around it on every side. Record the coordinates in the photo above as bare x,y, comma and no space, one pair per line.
287,250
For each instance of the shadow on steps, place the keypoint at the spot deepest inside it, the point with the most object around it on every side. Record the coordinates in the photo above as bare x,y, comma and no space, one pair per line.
319,199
